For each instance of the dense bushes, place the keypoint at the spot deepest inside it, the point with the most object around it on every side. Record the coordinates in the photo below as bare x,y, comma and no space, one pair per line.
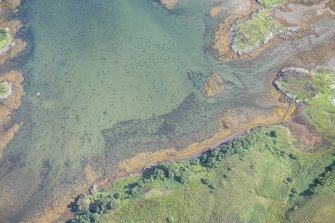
89,208
174,171
3,34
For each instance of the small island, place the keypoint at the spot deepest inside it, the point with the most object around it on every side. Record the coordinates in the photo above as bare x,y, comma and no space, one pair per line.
213,86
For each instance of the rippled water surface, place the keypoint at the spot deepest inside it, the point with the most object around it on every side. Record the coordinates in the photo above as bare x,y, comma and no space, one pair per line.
114,77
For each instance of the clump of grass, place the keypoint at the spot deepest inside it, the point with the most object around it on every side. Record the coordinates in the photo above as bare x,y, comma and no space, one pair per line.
5,38
5,89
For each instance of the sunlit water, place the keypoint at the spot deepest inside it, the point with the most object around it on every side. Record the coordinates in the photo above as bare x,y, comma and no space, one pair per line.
106,79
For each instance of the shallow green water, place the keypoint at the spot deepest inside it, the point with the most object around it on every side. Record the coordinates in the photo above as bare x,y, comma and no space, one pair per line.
112,78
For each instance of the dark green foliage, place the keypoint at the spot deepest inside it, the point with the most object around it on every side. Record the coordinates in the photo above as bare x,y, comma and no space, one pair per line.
80,218
205,181
273,134
195,161
3,34
134,188
292,156
324,182
79,204
171,171
209,182
288,180
116,195
238,146
95,217
89,208
293,193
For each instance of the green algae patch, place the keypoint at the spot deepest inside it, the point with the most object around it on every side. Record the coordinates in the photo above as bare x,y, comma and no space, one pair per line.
317,90
255,31
5,38
5,89
254,178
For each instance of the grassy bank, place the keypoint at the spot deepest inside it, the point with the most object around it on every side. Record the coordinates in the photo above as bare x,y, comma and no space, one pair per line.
259,177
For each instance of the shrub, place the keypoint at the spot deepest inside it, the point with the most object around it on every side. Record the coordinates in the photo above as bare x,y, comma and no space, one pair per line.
169,219
3,34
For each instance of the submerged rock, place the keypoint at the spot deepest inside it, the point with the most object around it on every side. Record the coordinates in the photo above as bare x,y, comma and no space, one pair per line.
213,86
169,4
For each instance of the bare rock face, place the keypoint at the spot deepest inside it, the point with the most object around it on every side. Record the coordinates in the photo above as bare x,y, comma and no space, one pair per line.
213,86
169,4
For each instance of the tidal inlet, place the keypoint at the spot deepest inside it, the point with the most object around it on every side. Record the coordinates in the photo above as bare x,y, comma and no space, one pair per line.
97,90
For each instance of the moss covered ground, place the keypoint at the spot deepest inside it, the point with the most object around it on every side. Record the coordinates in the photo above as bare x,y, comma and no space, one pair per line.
259,177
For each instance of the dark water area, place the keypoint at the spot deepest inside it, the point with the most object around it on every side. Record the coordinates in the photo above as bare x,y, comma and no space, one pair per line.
107,79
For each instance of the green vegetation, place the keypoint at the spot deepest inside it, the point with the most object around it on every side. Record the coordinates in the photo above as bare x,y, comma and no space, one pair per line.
5,89
5,38
259,177
271,3
260,28
317,89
